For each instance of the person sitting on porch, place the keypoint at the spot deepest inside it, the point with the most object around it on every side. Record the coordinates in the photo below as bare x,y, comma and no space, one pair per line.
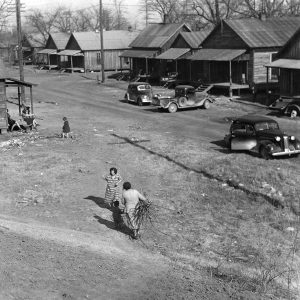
28,117
13,124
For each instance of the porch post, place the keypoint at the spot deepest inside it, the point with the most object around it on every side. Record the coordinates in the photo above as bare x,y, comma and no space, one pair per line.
176,65
48,60
121,65
146,66
190,65
230,80
31,100
291,83
267,86
71,63
19,99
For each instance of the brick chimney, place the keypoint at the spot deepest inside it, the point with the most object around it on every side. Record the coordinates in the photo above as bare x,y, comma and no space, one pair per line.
166,19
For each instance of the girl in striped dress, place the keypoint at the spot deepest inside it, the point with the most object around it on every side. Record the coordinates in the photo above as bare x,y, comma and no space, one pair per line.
112,189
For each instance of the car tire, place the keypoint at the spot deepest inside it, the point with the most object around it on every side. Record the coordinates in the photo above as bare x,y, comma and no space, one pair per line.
182,101
206,104
172,108
139,102
127,98
264,153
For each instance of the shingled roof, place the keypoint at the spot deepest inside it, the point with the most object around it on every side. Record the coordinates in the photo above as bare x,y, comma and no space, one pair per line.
272,32
156,35
195,38
112,39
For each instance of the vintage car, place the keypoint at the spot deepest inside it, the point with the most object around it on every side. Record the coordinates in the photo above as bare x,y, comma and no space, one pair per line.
260,134
185,96
287,105
139,93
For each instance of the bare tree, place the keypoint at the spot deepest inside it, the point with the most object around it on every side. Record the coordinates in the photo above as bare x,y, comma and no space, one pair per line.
119,21
5,12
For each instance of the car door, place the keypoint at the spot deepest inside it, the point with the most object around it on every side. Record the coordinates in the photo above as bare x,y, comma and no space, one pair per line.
243,137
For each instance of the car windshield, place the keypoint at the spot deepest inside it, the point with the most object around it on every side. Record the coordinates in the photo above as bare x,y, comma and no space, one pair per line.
266,126
144,87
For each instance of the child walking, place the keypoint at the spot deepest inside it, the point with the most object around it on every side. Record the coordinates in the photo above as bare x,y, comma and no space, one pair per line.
66,128
112,189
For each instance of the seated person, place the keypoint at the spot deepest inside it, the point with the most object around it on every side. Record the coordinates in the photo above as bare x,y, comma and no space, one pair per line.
13,124
28,117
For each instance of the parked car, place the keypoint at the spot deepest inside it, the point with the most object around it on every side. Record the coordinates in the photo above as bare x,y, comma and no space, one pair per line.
261,134
185,96
139,93
287,105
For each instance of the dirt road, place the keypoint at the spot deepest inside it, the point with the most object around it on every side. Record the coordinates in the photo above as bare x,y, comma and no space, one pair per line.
58,240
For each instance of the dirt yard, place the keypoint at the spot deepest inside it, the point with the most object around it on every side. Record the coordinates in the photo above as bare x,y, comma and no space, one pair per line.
213,236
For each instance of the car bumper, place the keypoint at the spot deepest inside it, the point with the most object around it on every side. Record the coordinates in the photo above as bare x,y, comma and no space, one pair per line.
286,152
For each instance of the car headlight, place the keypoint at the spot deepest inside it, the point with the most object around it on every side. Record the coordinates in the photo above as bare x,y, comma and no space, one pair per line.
292,138
144,97
277,138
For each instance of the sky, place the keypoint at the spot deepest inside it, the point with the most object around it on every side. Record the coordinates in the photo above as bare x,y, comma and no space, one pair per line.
131,7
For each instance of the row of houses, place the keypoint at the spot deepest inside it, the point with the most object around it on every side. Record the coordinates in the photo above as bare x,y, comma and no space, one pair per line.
234,54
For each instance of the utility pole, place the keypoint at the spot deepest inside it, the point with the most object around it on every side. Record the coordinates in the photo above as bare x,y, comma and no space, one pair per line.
101,40
20,50
147,18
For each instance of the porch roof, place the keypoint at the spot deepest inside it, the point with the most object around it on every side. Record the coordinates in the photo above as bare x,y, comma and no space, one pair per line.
139,53
217,54
47,51
70,53
284,63
173,53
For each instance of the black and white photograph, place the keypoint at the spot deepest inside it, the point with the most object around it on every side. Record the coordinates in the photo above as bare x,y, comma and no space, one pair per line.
149,149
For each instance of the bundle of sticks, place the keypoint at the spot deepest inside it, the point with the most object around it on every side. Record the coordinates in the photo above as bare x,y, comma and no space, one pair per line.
143,213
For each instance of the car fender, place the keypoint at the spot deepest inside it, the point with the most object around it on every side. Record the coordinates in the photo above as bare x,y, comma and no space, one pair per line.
289,108
265,143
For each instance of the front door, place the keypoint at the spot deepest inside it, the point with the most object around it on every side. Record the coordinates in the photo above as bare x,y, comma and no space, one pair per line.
243,137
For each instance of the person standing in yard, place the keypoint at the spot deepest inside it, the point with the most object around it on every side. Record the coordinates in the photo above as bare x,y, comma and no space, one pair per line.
112,189
66,128
131,198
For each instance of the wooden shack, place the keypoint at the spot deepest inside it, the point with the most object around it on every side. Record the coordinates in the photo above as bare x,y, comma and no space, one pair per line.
287,66
83,50
151,42
31,45
241,48
48,57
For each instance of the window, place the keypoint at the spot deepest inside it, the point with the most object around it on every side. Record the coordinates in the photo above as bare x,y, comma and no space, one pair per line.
98,58
238,128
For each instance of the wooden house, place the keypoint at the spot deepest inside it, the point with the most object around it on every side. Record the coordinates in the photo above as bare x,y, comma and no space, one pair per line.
151,42
235,53
287,66
48,57
185,44
83,50
31,45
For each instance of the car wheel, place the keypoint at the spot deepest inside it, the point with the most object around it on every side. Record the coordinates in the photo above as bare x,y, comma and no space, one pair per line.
172,108
264,153
182,101
127,98
139,102
206,104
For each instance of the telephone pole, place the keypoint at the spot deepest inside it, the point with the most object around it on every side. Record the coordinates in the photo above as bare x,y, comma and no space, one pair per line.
20,50
101,40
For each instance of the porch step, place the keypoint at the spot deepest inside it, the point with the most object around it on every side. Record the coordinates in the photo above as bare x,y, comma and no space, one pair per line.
204,88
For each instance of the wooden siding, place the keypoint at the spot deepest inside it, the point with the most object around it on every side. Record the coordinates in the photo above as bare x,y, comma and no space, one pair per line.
260,59
3,115
111,60
180,43
289,82
293,51
223,37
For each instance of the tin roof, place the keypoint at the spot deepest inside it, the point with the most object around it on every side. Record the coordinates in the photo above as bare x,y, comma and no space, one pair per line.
173,53
156,35
47,51
272,32
195,38
285,64
69,52
112,39
217,54
60,39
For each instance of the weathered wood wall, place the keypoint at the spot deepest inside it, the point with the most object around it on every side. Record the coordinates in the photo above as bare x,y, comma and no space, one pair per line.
3,107
292,50
289,82
223,37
